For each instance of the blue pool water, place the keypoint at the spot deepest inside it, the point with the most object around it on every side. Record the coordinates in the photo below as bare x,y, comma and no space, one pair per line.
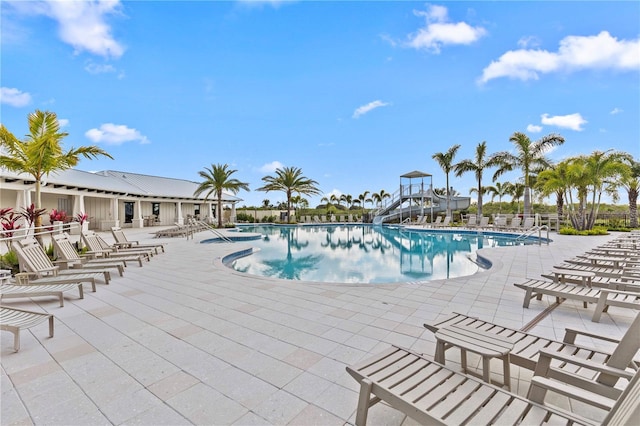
363,253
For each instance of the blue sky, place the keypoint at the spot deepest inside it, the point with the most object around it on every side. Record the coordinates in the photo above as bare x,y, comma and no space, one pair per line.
353,93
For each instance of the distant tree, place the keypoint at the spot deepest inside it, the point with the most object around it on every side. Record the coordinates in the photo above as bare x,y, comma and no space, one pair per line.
290,181
478,165
266,203
516,190
632,185
445,161
379,197
216,179
555,180
498,190
591,176
530,156
40,152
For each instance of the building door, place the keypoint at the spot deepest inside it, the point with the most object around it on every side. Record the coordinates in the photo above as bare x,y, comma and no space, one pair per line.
128,211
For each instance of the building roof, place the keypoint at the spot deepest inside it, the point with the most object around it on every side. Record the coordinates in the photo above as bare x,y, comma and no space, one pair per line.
117,182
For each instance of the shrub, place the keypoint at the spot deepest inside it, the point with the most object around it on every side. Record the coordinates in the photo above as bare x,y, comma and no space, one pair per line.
244,217
595,231
10,261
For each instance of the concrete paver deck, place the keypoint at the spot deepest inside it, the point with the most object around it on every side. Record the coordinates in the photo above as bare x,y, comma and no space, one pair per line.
185,340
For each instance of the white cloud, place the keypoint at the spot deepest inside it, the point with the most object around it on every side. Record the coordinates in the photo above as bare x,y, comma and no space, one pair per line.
271,167
362,110
571,121
14,97
532,128
616,111
63,122
115,134
438,31
93,68
574,53
529,41
82,24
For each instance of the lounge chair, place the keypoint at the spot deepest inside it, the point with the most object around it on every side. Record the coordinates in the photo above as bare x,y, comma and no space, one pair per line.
14,320
484,222
444,223
435,223
500,223
431,393
472,221
528,223
96,248
514,225
601,297
555,372
68,255
115,248
38,290
123,242
38,268
527,345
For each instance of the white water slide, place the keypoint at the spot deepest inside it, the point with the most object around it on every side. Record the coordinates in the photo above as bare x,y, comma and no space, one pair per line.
392,209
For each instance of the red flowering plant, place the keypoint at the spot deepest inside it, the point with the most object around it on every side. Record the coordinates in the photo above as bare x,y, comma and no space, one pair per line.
58,216
8,219
31,213
81,217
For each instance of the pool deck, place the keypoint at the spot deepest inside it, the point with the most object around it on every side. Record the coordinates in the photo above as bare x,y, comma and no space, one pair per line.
185,340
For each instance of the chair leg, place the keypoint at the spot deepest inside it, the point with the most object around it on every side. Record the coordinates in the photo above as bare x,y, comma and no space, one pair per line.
363,402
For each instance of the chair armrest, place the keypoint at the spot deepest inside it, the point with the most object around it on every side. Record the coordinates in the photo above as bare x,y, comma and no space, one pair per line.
570,359
570,335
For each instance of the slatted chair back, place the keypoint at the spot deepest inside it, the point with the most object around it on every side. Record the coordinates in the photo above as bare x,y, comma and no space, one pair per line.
65,249
32,257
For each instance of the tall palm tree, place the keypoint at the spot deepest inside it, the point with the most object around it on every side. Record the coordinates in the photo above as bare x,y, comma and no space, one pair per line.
477,166
516,190
364,198
529,156
216,179
40,152
556,181
498,190
600,170
632,184
445,161
290,180
379,197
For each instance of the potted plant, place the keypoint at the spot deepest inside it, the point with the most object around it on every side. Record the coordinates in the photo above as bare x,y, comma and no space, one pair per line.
57,219
83,220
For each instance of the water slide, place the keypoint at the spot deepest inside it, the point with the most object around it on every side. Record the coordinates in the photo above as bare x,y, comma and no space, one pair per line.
392,212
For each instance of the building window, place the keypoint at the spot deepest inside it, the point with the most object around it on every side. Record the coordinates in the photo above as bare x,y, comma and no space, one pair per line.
128,212
196,210
155,209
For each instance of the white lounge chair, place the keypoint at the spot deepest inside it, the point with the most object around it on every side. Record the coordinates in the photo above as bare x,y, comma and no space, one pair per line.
471,221
14,320
95,245
601,297
123,242
40,290
68,255
38,268
431,394
527,345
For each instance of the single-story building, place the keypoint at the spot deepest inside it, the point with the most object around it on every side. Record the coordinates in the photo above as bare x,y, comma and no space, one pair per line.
112,198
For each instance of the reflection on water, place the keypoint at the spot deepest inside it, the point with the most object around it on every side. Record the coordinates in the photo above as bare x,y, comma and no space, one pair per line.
362,253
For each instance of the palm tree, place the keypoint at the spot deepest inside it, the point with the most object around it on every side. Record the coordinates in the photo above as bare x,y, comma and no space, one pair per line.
556,181
530,156
595,173
477,166
290,180
498,190
364,198
632,184
216,179
40,153
516,190
445,161
379,197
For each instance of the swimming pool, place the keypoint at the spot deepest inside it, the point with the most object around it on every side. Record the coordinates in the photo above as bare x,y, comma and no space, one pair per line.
363,253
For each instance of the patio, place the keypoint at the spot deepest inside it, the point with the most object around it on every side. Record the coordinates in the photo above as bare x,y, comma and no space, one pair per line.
185,340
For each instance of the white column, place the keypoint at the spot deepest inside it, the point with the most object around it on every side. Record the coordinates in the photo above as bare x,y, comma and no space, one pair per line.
233,213
179,213
137,221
